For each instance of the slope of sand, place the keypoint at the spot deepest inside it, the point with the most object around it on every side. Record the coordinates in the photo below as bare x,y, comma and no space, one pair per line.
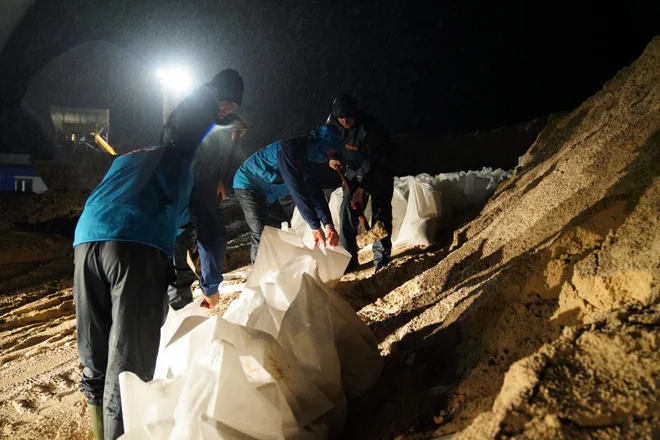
540,319
573,237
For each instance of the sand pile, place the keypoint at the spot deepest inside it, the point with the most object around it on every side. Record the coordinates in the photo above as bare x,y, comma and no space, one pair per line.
573,238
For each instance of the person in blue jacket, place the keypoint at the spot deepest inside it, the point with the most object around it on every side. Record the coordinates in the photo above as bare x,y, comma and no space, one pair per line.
123,244
284,168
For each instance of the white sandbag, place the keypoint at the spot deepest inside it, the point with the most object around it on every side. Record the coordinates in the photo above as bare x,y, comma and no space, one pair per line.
278,247
216,386
476,185
169,330
145,404
281,393
452,187
155,431
233,382
295,307
420,221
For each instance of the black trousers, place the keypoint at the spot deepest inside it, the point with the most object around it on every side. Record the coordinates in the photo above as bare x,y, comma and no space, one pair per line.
259,214
381,206
179,292
120,291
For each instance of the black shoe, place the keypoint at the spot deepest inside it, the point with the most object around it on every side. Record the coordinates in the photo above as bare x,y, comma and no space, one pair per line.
352,266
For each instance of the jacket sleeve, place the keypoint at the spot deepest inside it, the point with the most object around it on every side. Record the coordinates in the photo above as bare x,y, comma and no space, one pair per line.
211,232
307,195
189,122
377,141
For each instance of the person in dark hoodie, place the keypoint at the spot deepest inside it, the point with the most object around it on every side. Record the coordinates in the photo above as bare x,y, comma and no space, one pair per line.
365,161
209,167
122,246
282,168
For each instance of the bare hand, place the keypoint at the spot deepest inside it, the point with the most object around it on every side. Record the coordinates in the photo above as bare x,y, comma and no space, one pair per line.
358,198
241,132
319,237
222,191
209,302
333,235
334,164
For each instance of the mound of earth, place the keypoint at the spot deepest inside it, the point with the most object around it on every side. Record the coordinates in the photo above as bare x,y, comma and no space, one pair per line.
562,270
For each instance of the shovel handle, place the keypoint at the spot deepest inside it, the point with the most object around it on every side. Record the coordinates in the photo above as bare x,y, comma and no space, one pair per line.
343,178
358,208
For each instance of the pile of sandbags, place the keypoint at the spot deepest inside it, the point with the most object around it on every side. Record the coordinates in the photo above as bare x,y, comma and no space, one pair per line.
465,190
278,364
422,205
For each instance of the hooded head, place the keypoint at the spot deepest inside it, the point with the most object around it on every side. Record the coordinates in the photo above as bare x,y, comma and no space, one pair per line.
229,86
345,107
321,141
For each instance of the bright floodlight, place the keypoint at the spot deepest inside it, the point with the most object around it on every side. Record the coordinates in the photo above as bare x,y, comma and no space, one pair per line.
173,79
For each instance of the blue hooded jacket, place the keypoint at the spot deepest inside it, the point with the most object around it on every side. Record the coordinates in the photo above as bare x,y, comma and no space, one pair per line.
145,197
284,168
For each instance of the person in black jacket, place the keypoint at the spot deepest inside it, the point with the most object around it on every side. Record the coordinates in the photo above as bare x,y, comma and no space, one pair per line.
364,158
207,187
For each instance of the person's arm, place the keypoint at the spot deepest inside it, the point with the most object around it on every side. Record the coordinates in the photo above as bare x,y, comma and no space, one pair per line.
190,122
211,232
292,163
234,123
319,202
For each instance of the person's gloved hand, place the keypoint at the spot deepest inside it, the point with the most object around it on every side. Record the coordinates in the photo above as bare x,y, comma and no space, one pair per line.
334,164
209,302
332,234
358,198
319,237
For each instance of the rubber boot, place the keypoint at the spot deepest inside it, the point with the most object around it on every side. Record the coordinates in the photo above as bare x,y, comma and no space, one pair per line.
96,420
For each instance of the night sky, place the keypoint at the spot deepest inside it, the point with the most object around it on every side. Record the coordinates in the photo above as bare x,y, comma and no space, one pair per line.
423,67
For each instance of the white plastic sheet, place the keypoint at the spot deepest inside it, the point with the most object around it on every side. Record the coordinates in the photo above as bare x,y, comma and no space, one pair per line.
277,365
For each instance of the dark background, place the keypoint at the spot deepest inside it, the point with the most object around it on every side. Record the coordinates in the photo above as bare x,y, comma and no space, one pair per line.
421,67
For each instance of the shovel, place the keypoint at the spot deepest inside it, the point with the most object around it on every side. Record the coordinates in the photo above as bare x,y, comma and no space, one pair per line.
370,235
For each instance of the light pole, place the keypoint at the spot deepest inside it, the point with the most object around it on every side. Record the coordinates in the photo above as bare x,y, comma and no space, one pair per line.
175,83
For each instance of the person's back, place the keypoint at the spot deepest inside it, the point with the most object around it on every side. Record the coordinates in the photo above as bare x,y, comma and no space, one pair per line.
140,199
261,172
123,247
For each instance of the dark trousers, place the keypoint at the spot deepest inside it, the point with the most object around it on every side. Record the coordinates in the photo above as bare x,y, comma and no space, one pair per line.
259,214
179,292
381,206
120,292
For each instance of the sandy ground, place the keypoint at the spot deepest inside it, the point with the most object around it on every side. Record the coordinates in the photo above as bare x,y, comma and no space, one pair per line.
539,319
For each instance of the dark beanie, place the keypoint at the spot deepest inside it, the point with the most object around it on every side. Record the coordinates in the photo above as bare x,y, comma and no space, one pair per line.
344,106
229,86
